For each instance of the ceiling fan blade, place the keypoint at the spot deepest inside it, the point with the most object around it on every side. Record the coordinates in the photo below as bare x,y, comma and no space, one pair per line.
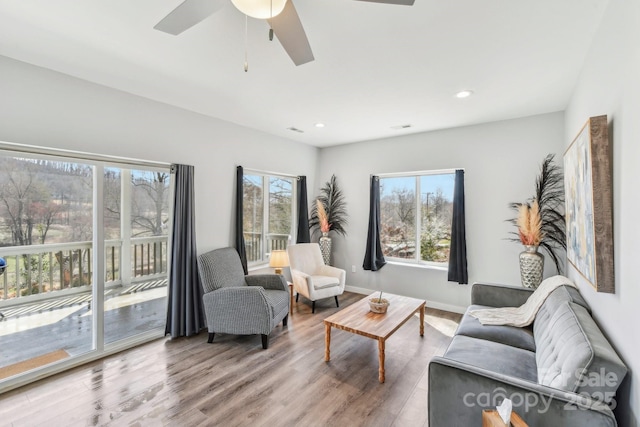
188,14
288,29
400,2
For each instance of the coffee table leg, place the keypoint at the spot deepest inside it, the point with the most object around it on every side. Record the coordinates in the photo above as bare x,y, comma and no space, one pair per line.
422,320
381,360
327,341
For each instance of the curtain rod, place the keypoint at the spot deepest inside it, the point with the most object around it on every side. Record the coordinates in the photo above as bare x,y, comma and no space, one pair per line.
413,173
261,172
78,155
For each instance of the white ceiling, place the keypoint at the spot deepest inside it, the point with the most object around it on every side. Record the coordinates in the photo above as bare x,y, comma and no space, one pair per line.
377,66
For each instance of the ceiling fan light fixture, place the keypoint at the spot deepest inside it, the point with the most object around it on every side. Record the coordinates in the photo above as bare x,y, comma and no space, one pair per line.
260,9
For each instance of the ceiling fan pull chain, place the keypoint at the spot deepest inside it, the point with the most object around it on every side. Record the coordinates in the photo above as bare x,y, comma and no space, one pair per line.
271,29
246,49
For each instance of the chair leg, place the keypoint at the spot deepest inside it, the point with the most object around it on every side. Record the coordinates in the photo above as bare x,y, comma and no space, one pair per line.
284,321
211,334
265,341
337,304
297,295
313,307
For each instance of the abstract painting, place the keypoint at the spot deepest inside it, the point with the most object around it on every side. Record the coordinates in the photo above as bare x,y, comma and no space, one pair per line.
589,205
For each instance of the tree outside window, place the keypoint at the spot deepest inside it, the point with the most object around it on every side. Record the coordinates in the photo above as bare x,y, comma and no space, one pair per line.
415,216
267,214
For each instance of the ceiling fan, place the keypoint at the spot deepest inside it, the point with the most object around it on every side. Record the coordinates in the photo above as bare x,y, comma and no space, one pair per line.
280,14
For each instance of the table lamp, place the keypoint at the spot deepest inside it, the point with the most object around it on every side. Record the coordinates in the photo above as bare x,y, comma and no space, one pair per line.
278,260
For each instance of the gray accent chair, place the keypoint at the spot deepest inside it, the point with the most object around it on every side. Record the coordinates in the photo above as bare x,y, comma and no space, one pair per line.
561,371
238,304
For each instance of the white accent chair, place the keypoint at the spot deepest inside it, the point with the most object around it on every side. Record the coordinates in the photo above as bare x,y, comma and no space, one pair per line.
311,277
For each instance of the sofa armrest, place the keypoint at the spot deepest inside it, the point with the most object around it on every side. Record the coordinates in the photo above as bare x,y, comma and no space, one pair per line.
458,393
267,281
496,295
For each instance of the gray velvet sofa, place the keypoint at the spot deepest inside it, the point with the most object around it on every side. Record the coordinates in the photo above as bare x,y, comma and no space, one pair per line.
561,371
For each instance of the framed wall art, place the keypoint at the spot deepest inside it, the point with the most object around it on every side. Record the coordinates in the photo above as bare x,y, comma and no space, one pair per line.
589,205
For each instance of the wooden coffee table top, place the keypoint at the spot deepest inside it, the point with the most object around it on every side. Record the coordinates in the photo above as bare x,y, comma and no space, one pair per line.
359,320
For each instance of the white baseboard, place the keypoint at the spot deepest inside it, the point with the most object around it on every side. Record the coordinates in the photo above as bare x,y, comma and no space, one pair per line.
355,289
446,307
433,304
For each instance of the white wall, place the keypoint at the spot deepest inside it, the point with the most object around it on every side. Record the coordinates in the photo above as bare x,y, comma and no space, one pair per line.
46,108
501,161
610,84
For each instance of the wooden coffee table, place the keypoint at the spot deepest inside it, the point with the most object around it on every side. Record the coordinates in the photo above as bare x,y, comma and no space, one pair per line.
359,320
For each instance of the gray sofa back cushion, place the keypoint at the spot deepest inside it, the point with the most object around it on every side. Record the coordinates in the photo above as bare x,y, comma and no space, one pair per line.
221,268
562,350
573,355
553,301
606,370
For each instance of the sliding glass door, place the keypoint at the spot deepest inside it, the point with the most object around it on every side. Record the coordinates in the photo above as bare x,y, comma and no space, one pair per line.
46,231
84,246
136,223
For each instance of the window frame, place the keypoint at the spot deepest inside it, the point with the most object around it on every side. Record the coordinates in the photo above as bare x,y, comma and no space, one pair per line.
266,176
416,261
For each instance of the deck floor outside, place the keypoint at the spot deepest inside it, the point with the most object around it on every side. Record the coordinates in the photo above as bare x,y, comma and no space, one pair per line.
31,330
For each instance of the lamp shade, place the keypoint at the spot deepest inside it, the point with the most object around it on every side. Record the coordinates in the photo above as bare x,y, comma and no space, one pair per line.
260,9
279,259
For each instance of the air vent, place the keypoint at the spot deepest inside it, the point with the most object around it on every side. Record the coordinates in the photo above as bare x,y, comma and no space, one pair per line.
400,127
294,129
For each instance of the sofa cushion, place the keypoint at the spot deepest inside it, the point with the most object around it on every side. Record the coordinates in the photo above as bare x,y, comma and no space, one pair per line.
493,356
606,371
509,335
559,296
573,354
563,352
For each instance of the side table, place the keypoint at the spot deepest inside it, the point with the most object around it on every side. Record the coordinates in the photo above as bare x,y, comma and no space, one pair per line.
490,418
291,299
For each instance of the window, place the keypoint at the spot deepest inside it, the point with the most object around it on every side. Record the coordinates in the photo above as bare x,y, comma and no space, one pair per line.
268,212
415,216
85,246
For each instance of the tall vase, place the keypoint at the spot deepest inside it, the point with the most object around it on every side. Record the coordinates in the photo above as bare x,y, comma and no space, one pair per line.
531,267
325,248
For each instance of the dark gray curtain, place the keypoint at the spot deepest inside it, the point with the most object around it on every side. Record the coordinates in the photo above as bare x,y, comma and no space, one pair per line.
373,257
239,231
303,212
185,316
458,252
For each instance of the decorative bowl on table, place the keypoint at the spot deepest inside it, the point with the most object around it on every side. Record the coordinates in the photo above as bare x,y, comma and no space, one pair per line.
377,305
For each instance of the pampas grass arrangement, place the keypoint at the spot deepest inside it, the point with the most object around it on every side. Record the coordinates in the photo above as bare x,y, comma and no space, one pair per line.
548,214
334,206
529,224
323,219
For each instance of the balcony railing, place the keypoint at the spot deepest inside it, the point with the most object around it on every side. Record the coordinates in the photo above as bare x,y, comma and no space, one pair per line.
36,271
253,244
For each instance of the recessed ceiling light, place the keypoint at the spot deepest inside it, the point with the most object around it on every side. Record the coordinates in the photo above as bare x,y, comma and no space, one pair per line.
464,93
319,125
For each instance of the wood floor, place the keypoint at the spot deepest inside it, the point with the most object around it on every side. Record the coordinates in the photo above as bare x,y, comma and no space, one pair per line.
233,382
